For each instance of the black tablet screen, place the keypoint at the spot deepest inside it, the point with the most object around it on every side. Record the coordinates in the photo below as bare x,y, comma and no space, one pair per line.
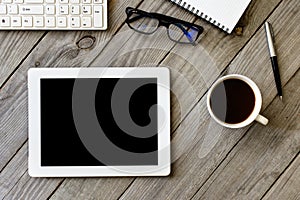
99,122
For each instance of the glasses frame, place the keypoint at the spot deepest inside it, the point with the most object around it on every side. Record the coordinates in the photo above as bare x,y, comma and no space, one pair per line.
165,21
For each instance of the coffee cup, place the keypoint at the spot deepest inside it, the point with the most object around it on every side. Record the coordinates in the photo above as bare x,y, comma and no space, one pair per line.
235,101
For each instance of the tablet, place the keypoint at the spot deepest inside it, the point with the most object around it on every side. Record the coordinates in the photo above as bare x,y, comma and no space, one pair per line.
99,122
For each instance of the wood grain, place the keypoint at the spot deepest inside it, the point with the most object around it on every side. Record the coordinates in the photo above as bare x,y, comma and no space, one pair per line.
61,58
262,155
14,47
62,50
129,48
141,50
13,119
126,37
190,171
16,184
92,188
56,49
287,186
59,48
13,171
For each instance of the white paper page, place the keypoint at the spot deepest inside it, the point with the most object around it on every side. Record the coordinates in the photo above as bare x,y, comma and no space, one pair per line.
225,12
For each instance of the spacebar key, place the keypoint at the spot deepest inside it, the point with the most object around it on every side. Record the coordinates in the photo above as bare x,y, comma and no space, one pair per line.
34,1
31,10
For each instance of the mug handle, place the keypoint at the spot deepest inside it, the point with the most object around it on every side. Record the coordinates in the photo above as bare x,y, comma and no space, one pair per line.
261,119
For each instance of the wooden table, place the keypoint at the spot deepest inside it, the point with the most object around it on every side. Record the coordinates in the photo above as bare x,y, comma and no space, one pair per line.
208,161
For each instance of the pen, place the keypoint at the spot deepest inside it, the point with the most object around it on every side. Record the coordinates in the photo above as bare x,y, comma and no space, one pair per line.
270,39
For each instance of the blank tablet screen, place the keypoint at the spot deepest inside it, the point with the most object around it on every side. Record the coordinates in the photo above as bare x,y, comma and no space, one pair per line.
77,113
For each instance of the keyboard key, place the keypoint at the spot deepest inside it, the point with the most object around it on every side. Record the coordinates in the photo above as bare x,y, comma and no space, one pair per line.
5,21
86,1
97,1
31,10
63,9
75,10
18,1
86,22
63,1
3,9
12,9
86,10
98,16
27,21
38,21
34,1
16,21
50,21
74,1
62,22
50,9
75,22
50,1
6,1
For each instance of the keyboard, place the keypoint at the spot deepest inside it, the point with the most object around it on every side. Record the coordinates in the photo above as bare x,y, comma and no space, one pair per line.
53,14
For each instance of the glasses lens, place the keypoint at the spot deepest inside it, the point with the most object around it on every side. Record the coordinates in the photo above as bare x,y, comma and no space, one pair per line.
142,23
182,33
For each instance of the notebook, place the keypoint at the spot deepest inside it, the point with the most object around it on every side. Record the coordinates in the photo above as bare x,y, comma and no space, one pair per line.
223,13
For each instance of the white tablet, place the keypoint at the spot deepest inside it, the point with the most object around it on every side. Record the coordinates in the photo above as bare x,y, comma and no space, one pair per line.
99,122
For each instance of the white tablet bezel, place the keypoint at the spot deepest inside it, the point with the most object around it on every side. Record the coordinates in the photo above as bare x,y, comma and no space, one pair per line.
34,160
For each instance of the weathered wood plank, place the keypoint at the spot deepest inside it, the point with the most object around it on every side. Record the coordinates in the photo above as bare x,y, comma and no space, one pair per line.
262,155
191,169
68,56
200,75
14,47
13,171
212,55
21,185
141,50
16,184
61,48
98,188
125,48
56,49
287,186
13,120
30,188
92,188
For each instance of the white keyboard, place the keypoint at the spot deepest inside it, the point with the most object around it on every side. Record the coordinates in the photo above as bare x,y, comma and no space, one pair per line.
53,14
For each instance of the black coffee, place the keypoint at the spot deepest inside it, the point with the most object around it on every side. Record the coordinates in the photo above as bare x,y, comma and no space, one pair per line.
232,101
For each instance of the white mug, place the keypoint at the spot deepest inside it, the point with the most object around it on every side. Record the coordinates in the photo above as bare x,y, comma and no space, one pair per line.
254,116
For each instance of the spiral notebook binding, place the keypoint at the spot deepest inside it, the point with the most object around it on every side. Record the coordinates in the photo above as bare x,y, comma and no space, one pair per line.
200,14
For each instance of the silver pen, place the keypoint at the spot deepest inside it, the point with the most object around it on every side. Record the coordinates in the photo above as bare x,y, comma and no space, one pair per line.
270,40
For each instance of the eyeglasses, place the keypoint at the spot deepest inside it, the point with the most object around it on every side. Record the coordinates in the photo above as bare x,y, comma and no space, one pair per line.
178,30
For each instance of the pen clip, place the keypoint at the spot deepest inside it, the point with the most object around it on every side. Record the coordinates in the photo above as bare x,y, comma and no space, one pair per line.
272,33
